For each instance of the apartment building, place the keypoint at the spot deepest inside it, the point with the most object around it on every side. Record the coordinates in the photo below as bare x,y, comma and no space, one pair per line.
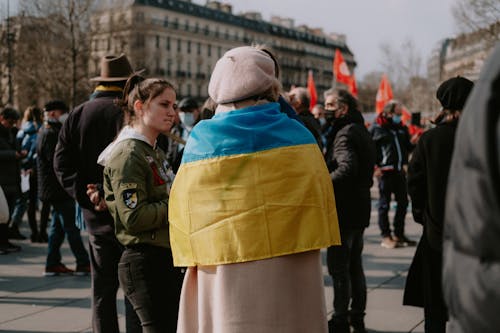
182,41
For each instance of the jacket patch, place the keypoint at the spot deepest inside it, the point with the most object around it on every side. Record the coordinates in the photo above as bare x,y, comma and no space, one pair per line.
130,198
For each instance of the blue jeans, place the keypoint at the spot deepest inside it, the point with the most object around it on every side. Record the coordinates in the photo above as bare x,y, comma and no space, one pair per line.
345,265
389,183
63,223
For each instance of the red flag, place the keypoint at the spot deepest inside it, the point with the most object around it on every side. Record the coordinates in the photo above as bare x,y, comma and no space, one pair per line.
311,87
406,116
384,94
340,69
353,88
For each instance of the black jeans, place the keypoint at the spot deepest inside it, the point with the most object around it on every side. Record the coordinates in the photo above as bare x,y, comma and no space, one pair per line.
345,265
153,286
392,182
105,253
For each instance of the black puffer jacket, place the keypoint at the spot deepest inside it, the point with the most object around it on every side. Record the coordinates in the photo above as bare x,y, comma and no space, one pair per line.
350,158
49,188
392,142
471,250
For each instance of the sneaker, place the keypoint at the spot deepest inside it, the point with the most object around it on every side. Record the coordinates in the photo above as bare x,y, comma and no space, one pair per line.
82,270
388,243
57,270
404,241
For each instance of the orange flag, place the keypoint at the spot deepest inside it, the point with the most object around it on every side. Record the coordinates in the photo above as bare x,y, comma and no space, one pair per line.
311,87
406,117
340,69
353,88
384,94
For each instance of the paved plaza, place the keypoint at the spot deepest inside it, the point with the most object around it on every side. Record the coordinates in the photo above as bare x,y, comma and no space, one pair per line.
30,302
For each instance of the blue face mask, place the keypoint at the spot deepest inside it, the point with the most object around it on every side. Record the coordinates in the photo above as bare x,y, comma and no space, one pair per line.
396,119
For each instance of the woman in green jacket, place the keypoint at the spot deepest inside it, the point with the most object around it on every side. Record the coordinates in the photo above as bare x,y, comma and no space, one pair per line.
137,182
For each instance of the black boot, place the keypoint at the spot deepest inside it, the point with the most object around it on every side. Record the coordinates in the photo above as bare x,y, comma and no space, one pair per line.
6,247
14,233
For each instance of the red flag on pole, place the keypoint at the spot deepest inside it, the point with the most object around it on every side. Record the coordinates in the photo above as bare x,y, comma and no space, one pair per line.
340,69
311,87
406,116
384,94
353,88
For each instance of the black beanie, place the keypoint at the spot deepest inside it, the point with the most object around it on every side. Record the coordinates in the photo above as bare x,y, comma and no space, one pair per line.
56,105
453,93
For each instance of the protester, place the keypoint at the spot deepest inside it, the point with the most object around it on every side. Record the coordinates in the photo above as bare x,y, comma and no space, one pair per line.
189,115
299,100
427,179
471,251
392,142
27,136
51,192
89,128
137,184
350,158
10,176
244,216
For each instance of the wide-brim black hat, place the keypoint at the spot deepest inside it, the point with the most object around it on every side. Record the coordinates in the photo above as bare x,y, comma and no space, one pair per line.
115,69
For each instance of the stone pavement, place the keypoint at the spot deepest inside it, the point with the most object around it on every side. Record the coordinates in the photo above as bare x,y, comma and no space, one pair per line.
30,302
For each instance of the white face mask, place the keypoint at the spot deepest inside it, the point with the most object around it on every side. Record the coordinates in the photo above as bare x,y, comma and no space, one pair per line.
63,117
187,118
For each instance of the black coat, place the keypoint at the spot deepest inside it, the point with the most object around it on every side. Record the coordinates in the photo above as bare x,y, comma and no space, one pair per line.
10,172
49,189
428,177
89,129
350,158
471,248
427,180
312,125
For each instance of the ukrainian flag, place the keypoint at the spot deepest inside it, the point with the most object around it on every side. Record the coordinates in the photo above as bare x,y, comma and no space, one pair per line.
252,185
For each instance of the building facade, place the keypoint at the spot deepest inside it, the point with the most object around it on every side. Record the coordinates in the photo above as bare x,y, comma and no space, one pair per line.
182,41
463,55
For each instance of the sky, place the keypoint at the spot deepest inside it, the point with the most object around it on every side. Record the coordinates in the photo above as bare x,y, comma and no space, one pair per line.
366,23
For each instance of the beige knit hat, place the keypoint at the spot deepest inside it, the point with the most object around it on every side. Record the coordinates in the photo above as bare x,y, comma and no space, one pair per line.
241,73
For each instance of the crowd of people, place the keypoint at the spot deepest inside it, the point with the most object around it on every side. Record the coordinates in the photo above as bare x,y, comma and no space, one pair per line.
211,218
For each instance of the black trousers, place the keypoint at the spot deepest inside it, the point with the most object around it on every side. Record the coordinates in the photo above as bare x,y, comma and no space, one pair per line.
389,183
153,286
105,253
345,265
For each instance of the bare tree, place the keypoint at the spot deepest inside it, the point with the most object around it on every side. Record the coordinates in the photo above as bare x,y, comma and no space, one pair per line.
57,46
401,63
472,15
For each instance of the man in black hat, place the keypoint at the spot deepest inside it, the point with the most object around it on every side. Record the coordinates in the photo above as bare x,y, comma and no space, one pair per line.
427,180
89,128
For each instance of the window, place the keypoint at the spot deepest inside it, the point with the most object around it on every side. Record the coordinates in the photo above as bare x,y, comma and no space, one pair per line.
199,48
179,45
188,46
168,43
209,50
157,42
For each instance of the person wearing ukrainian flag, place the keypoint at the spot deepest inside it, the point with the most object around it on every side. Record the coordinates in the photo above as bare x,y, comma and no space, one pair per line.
250,208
